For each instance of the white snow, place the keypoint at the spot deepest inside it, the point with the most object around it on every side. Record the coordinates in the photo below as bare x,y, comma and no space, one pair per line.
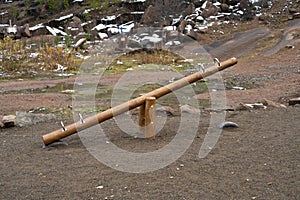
126,28
55,31
64,17
153,39
109,18
170,28
102,35
114,30
36,27
99,27
51,30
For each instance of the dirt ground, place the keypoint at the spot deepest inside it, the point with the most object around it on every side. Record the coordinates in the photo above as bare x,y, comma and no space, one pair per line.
258,160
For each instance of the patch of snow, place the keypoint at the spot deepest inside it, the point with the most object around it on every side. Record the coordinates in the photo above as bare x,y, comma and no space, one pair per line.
170,28
60,32
33,55
204,5
12,29
173,43
87,11
176,20
3,13
86,23
51,30
126,28
152,39
113,30
99,27
62,18
109,18
240,12
199,18
102,35
137,13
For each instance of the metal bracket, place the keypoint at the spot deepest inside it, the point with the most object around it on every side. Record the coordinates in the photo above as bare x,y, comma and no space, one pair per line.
81,118
63,126
54,144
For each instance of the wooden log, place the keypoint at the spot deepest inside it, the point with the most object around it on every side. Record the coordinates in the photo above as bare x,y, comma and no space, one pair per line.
150,127
124,107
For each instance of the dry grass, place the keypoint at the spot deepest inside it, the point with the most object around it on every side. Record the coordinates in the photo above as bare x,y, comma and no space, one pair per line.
18,59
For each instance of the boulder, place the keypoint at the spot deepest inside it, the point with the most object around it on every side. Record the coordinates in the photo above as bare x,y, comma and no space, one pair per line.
24,118
26,31
224,7
210,10
189,10
151,15
195,35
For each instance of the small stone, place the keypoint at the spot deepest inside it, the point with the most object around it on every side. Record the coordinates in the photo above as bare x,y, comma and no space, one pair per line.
290,46
68,91
167,110
9,121
189,109
294,101
100,187
228,124
171,177
270,103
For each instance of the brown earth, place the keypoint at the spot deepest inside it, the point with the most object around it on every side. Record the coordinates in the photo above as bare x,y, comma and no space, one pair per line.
258,160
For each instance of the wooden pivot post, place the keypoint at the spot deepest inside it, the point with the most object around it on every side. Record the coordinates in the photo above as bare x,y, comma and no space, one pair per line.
147,117
150,112
142,117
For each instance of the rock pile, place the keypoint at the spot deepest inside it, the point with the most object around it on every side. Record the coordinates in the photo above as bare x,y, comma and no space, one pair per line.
190,18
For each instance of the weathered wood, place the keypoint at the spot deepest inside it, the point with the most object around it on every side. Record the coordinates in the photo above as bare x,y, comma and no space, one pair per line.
142,118
150,127
124,107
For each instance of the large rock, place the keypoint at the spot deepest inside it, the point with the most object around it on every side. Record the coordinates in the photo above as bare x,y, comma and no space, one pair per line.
74,26
151,15
189,10
224,7
195,35
210,10
24,118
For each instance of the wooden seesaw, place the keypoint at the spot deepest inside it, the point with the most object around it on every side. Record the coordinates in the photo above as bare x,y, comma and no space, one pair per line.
146,101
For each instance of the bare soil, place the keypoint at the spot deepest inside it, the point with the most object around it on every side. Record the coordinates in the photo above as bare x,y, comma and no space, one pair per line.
258,160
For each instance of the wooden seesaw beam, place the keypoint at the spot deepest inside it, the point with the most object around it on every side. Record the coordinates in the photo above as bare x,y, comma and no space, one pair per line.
131,104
